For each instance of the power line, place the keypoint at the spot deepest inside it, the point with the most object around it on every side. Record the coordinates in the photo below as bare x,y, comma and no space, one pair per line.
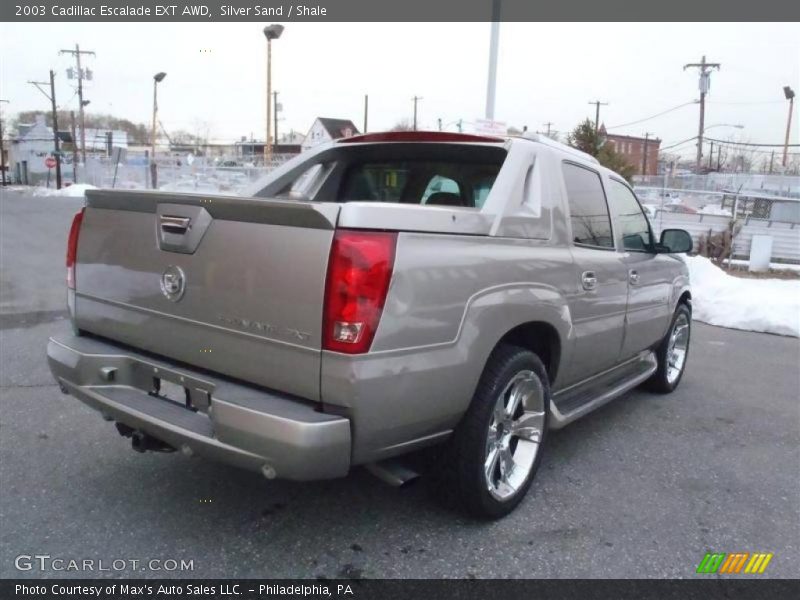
654,116
752,144
754,102
691,139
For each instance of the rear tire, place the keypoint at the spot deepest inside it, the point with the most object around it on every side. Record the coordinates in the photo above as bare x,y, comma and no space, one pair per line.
672,353
489,463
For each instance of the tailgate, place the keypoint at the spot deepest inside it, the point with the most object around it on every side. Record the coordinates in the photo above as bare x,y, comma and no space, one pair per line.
233,285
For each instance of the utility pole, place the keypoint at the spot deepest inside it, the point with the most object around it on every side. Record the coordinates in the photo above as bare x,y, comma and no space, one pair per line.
366,111
74,147
705,85
771,162
548,124
597,105
644,158
81,75
789,93
439,120
416,99
494,41
2,149
710,155
52,97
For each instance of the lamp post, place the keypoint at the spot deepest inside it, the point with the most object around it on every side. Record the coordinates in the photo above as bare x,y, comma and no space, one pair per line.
157,78
789,93
271,32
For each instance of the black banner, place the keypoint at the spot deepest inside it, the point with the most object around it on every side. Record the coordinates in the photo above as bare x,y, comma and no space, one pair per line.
393,10
638,589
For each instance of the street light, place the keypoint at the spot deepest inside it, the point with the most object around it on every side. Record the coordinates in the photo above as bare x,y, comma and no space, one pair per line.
157,78
271,32
723,125
789,93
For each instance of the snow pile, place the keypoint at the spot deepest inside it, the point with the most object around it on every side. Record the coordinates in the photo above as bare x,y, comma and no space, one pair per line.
77,190
715,209
768,305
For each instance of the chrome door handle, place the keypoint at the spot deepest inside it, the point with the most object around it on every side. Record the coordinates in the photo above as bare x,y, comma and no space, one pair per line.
174,224
589,280
633,276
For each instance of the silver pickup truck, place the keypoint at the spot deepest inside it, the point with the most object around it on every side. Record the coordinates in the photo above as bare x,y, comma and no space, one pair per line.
372,297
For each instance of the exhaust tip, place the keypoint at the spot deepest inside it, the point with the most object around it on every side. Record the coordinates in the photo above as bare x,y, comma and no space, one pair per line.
393,473
142,442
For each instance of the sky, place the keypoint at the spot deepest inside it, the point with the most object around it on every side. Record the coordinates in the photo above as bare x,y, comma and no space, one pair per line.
547,72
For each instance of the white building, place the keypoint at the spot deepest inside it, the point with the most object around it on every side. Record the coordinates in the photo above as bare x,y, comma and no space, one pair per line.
326,130
34,143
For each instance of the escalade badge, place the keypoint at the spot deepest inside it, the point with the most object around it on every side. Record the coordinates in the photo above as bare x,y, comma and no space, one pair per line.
173,283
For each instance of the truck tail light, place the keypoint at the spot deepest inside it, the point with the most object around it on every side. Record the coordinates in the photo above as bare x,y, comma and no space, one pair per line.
359,271
72,248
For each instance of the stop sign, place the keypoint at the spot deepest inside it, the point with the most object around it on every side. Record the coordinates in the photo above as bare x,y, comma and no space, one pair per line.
49,162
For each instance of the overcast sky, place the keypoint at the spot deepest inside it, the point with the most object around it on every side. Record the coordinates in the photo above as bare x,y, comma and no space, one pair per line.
547,72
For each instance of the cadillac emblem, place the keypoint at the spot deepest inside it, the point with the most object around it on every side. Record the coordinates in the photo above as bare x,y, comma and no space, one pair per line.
173,283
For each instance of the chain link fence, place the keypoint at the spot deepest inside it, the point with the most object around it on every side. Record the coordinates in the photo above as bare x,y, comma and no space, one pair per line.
175,174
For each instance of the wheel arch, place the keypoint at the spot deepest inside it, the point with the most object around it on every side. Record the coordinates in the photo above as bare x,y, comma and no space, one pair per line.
685,298
541,338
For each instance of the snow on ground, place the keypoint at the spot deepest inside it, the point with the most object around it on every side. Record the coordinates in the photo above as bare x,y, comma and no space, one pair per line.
72,191
768,305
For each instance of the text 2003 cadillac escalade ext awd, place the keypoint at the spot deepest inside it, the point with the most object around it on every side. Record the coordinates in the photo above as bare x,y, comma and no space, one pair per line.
374,296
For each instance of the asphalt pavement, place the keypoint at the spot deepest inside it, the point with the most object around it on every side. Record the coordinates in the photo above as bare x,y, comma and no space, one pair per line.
644,487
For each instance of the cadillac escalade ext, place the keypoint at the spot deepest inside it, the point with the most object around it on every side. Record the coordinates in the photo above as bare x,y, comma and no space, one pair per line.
372,297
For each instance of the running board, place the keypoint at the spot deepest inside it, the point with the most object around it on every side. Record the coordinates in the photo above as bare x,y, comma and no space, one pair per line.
575,401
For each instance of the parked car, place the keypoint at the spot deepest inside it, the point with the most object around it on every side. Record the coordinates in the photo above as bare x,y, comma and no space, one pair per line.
414,289
679,208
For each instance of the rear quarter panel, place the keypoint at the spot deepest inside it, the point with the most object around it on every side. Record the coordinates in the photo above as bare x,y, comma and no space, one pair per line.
451,299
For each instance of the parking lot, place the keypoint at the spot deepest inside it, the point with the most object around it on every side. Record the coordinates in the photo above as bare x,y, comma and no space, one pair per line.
642,488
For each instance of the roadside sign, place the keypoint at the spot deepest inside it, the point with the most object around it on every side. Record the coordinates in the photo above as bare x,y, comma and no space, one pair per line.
487,127
49,162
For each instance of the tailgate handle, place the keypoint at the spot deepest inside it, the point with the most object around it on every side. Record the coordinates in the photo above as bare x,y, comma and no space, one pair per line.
177,225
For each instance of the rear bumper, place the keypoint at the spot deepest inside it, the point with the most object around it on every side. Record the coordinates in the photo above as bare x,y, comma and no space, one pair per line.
236,424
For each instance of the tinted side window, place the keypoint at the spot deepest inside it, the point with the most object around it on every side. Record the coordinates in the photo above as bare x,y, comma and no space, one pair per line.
631,219
591,223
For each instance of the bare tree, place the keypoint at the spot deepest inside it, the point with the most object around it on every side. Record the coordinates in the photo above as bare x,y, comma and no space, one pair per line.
402,125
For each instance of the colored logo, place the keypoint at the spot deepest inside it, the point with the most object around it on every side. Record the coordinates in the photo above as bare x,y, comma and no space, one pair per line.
735,563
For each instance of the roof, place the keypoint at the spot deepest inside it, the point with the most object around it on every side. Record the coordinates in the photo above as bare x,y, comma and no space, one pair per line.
420,136
337,128
547,141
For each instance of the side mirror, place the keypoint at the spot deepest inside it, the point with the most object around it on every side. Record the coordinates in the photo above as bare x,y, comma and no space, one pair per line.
677,241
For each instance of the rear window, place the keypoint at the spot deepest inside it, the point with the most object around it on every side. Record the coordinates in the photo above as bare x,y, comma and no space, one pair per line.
420,182
428,174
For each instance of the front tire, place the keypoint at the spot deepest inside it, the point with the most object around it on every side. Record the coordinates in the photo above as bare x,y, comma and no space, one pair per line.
673,353
494,453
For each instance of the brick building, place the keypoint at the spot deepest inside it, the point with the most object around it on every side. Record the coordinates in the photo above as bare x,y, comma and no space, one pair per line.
632,148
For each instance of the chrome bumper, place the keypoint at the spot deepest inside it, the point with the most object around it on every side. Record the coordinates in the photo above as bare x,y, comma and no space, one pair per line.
235,424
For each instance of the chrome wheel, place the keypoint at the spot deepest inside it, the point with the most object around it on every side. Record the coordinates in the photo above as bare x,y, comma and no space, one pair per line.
677,348
514,435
